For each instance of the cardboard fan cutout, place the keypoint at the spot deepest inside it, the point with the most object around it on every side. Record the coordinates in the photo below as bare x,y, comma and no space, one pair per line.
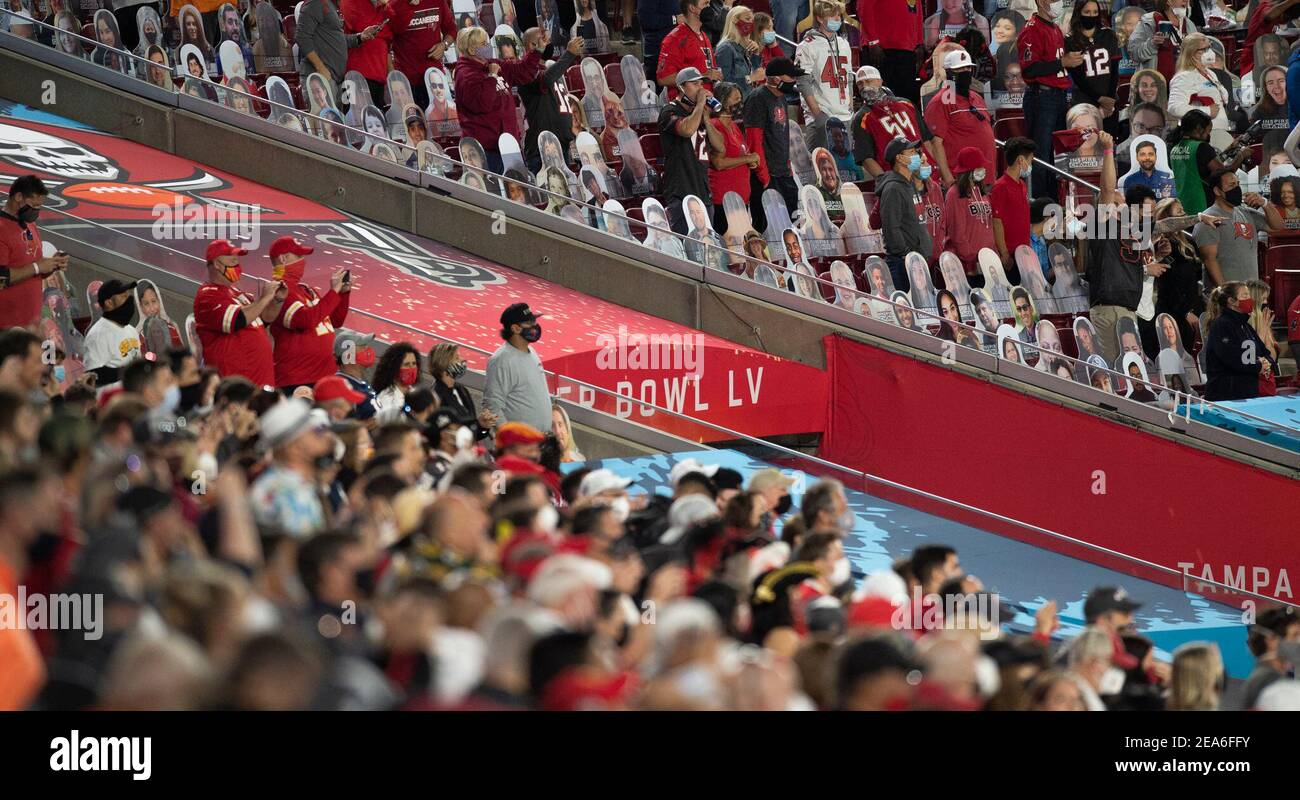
158,334
986,321
505,15
548,144
589,155
879,282
702,235
923,293
149,26
1031,277
556,184
441,113
66,40
431,159
231,29
357,89
474,159
800,159
802,280
1173,372
231,60
658,233
822,236
511,157
1167,334
767,276
191,63
637,176
1087,345
739,226
856,230
589,26
1009,345
593,193
329,126
271,51
846,287
954,280
1048,342
905,313
398,95
320,94
996,285
1068,289
548,19
505,42
593,92
1149,160
1026,314
277,91
239,96
190,24
640,102
616,220
778,219
519,186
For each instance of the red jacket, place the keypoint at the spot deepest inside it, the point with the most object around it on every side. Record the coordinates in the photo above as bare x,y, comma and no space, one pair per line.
1041,42
369,58
231,345
415,29
485,102
304,335
683,48
892,24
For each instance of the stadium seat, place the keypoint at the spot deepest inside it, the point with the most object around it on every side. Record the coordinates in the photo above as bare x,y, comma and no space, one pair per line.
614,79
573,79
650,149
1282,271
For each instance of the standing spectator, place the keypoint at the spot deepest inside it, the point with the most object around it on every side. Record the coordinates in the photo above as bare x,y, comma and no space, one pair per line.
322,44
355,355
112,342
729,166
1193,160
786,15
231,324
765,36
657,18
713,18
546,100
285,498
927,184
396,374
1155,41
892,42
1178,290
1264,17
421,30
683,128
516,388
687,46
1010,199
1043,64
767,129
1272,627
959,116
372,56
1195,86
1229,250
22,265
304,329
881,117
968,214
739,56
902,209
1236,357
1096,80
446,366
827,89
486,104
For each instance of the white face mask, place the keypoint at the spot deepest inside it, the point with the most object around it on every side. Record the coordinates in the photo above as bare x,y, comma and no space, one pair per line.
547,518
1209,57
841,572
847,520
1057,9
464,438
1112,682
1179,12
622,508
979,175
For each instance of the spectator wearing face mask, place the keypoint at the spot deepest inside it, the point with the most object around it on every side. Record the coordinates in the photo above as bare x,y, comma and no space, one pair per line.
1194,160
446,365
112,342
232,325
1096,80
687,46
826,88
878,121
1229,249
1196,86
967,212
1236,357
396,374
1010,199
516,388
322,43
729,167
767,130
304,329
484,98
354,355
739,56
1158,37
545,99
23,266
902,208
959,117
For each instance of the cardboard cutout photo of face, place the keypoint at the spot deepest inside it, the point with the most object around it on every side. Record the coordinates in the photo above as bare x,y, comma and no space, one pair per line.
191,28
414,129
778,220
949,20
703,245
756,252
431,158
954,280
284,120
658,233
1269,51
271,51
986,320
231,25
637,176
802,280
828,175
856,231
384,151
442,115
357,90
1007,89
1026,315
320,95
1128,338
639,99
1172,371
376,128
1170,339
590,155
474,158
767,276
593,187
109,52
923,292
557,186
879,281
1031,277
1149,157
239,96
616,220
148,23
950,324
548,19
1009,345
1085,339
996,285
1138,385
505,43
1049,344
590,27
69,30
905,314
192,64
503,11
805,174
1004,27
846,287
822,236
573,214
1068,289
792,248
1148,86
593,91
198,89
329,127
231,60
160,71
277,91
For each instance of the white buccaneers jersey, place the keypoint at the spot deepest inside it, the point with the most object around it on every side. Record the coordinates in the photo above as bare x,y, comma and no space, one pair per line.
828,63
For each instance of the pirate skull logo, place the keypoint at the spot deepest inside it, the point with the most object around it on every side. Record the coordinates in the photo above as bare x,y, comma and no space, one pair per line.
41,152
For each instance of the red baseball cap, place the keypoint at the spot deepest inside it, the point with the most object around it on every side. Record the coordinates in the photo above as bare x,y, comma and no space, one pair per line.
513,433
223,247
335,387
288,244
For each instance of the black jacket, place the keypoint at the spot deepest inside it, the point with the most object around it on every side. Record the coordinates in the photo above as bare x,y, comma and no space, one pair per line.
457,398
1232,360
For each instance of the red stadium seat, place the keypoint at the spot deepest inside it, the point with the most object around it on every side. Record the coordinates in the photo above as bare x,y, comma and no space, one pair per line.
605,59
827,288
573,78
650,148
614,79
1282,270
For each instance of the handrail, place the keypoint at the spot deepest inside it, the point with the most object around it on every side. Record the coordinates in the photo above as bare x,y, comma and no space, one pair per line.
784,452
1067,175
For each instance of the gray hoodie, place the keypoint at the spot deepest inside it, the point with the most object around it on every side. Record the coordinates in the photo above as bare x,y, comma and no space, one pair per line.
903,231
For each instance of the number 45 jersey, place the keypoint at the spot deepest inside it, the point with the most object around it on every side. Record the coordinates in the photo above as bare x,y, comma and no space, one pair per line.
828,61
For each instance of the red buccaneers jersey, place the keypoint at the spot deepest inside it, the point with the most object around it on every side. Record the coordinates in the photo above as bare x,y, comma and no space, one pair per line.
889,118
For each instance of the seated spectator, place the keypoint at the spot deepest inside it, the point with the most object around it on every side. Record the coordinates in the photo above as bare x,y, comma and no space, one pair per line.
354,355
286,497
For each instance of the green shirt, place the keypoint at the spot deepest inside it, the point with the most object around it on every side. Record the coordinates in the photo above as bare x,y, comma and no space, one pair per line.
1184,160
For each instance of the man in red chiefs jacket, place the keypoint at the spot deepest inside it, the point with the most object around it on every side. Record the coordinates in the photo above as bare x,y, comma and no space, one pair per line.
421,31
304,328
891,38
231,324
687,45
1043,64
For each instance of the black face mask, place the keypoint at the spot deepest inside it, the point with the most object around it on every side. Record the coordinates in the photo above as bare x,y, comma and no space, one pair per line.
123,313
531,334
456,370
962,81
27,215
191,395
1087,24
1233,196
784,505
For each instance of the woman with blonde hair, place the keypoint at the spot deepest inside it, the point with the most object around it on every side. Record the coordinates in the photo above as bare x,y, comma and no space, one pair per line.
765,36
1196,86
563,431
446,366
484,97
737,54
1197,681
1261,319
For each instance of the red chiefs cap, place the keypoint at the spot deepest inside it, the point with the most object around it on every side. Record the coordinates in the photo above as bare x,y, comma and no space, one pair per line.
513,433
334,387
288,244
223,247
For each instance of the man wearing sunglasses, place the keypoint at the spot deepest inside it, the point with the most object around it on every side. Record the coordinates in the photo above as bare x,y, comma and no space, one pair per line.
956,114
